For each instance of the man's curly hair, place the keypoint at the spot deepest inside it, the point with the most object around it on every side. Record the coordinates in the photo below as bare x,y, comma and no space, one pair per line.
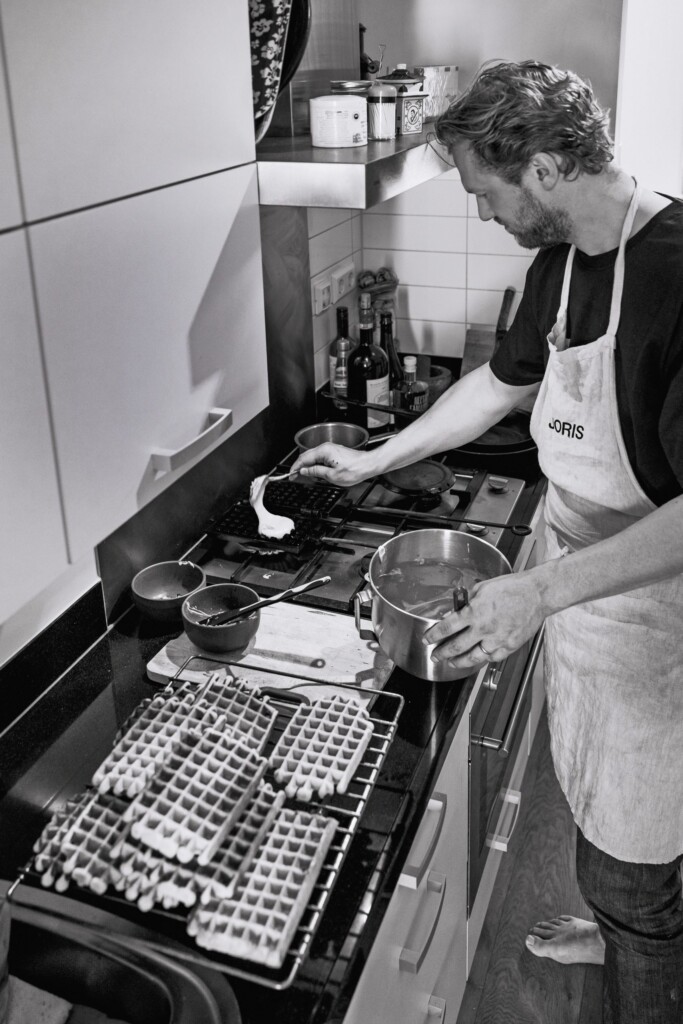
513,110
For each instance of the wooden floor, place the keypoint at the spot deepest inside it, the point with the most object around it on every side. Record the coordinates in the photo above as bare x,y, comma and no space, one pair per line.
508,985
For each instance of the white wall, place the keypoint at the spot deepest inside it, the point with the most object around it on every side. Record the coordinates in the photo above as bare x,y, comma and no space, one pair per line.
582,35
649,132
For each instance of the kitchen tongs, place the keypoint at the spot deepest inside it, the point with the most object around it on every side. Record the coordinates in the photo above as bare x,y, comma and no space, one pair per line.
222,618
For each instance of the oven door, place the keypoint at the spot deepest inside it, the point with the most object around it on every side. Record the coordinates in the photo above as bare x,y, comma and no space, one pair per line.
498,724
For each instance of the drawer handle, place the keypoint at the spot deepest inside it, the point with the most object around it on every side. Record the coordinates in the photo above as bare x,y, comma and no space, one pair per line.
219,422
409,959
499,840
412,874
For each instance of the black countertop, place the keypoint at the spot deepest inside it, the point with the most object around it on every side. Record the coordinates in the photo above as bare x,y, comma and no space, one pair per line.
50,752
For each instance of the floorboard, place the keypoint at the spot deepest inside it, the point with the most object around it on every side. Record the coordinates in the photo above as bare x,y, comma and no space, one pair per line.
536,881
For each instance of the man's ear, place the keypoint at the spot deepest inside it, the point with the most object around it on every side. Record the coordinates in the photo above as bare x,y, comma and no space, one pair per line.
543,171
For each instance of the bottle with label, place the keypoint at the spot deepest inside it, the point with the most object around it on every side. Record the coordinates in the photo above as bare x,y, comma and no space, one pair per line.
342,334
365,313
413,394
340,387
369,382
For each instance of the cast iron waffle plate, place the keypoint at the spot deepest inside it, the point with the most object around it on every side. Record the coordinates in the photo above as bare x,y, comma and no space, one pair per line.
306,505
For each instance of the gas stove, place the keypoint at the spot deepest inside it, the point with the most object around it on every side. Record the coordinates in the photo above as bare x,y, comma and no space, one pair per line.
337,530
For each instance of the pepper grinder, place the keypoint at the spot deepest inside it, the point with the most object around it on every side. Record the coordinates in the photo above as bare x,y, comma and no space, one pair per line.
381,99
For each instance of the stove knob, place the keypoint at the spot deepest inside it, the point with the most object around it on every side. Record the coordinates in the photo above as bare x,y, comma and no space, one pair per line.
499,484
476,528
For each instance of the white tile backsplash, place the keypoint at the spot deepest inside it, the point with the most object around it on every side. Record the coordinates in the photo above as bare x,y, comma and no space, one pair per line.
321,219
431,337
485,236
443,197
417,233
414,302
328,247
483,307
432,269
497,272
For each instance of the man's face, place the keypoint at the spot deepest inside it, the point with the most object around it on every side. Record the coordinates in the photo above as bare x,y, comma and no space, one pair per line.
533,223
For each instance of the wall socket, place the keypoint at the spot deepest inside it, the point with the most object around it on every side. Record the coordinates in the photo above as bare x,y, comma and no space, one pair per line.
342,279
321,294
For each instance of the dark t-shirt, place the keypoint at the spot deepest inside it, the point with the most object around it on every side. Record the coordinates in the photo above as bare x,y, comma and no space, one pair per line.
649,354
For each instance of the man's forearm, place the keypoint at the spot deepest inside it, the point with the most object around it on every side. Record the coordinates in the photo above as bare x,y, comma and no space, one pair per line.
466,410
649,551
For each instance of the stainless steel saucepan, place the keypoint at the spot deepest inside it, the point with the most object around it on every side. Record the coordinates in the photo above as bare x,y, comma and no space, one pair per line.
413,579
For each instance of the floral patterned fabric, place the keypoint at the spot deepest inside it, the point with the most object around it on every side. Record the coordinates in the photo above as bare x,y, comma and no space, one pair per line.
269,20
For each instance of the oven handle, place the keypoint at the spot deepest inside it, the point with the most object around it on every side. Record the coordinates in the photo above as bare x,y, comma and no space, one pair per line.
503,744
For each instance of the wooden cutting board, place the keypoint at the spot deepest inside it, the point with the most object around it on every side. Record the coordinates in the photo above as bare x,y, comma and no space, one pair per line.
293,642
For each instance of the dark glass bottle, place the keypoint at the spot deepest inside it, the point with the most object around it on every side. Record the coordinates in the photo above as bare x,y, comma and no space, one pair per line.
369,382
388,345
342,333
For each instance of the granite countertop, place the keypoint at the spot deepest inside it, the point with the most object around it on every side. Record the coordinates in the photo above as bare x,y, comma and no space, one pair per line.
50,753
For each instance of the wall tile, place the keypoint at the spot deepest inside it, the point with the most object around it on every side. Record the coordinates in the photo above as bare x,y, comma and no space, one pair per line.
357,234
438,270
483,307
322,366
442,197
417,233
497,272
321,219
431,336
330,246
420,303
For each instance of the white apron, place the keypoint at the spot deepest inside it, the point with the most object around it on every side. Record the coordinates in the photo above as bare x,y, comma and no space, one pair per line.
614,667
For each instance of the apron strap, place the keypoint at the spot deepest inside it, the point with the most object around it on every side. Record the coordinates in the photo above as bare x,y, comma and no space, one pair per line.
620,264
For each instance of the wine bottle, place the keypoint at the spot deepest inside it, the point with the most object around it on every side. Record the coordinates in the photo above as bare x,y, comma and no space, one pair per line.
365,314
342,334
387,343
413,394
369,382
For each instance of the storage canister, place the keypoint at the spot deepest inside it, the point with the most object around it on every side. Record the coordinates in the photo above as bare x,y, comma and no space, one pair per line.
338,121
381,111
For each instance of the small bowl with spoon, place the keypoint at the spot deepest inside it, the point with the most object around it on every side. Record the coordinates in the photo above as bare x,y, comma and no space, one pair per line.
224,617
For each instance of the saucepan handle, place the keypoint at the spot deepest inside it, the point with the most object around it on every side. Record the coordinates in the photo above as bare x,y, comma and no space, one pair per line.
361,600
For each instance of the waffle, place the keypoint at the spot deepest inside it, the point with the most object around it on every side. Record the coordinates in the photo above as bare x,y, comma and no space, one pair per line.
76,844
157,729
196,797
321,747
259,922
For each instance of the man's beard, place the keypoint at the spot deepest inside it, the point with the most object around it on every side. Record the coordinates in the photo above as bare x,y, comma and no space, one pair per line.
537,227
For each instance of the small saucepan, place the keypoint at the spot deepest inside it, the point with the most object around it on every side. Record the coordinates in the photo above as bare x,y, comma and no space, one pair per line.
413,579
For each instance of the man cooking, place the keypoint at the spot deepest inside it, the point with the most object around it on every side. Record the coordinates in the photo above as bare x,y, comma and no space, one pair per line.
600,325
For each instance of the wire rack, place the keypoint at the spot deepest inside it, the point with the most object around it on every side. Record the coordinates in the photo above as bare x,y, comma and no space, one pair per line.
384,709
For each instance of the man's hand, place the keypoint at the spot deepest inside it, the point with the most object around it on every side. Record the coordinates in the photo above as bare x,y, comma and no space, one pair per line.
335,464
501,615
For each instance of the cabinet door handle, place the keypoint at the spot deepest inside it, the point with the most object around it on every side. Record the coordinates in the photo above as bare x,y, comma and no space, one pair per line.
436,1010
410,959
500,840
219,422
412,874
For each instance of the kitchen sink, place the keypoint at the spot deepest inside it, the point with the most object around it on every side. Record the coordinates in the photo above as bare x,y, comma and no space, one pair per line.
92,968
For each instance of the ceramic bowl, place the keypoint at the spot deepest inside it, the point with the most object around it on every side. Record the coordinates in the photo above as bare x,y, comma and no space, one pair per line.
160,589
221,597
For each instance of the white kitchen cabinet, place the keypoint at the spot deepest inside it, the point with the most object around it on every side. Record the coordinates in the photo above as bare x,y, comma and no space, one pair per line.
10,206
34,548
152,313
416,971
110,99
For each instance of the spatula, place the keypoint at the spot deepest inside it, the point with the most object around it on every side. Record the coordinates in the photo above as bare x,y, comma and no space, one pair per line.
222,618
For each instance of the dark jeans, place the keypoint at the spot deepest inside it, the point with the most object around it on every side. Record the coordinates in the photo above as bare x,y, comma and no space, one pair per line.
639,912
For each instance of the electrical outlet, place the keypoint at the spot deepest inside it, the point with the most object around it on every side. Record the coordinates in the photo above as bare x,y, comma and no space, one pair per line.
342,279
322,295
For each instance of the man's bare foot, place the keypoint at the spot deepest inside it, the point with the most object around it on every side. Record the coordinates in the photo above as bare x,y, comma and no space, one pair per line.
568,940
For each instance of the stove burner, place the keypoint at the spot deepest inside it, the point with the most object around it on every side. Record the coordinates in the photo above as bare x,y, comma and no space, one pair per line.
364,565
420,480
